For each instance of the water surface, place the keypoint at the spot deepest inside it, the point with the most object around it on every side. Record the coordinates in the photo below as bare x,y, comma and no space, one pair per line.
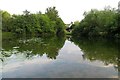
57,57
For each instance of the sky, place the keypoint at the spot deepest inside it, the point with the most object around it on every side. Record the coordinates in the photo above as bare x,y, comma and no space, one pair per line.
69,10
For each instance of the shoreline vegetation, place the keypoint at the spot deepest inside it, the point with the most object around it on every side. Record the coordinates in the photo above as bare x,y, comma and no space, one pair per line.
33,24
96,23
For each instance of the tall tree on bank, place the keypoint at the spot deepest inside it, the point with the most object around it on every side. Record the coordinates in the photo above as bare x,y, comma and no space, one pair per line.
59,24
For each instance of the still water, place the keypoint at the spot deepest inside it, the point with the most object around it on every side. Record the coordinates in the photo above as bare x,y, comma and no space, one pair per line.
57,57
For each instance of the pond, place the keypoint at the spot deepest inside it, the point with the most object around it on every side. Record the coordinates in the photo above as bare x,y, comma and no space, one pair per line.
59,57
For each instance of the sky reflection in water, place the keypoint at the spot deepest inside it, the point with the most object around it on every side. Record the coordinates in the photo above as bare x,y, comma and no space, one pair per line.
67,61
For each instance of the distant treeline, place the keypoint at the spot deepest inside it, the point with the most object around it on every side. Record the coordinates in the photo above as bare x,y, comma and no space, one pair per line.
33,24
105,23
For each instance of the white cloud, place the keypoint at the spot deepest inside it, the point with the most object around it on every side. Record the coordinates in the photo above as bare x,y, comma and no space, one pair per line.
69,10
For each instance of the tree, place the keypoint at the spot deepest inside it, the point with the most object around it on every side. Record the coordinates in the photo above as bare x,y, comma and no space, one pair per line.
5,21
52,13
26,12
98,23
34,24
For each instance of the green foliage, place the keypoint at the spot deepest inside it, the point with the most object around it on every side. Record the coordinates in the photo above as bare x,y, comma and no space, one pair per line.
6,17
59,25
98,23
76,23
34,24
52,13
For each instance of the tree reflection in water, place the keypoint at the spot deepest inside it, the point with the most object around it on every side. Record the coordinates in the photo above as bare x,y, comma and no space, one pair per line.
34,46
103,50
